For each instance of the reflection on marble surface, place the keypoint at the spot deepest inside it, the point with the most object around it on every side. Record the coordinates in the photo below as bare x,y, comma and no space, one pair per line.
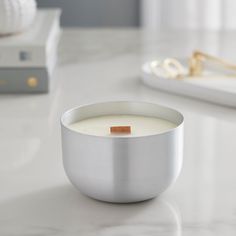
36,197
63,211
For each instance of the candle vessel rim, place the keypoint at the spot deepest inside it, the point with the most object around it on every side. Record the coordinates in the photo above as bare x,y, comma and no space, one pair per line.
67,113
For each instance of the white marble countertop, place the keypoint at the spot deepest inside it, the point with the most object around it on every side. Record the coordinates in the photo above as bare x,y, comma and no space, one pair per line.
36,197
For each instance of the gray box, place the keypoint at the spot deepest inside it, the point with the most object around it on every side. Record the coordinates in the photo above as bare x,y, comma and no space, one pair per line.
24,80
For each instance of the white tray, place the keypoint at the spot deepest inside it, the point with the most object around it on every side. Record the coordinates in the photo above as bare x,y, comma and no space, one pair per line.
218,89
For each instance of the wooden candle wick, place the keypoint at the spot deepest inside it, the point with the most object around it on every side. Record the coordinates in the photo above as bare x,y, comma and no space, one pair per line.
120,129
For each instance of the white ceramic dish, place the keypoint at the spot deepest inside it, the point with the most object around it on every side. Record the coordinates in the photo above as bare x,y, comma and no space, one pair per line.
215,88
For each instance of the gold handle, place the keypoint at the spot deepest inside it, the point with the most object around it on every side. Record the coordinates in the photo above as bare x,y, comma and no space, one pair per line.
196,63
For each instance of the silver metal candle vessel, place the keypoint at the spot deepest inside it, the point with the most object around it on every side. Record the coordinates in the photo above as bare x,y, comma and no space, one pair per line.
122,169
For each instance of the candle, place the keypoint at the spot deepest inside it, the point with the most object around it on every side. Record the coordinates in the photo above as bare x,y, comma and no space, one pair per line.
122,151
136,125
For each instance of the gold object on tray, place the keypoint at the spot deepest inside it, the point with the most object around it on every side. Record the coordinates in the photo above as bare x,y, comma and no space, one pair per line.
173,69
196,63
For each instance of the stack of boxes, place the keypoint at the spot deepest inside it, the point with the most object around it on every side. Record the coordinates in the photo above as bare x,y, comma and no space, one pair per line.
28,59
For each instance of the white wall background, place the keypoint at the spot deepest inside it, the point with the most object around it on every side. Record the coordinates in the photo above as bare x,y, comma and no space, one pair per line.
188,14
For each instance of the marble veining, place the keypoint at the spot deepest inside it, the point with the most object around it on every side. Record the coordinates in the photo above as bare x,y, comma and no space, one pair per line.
100,65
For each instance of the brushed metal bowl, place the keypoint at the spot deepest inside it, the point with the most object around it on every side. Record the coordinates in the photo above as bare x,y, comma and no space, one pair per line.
122,169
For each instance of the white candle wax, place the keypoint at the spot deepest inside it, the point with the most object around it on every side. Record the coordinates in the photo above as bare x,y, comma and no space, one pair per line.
140,125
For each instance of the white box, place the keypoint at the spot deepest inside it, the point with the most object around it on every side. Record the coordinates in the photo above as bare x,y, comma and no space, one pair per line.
27,60
33,47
